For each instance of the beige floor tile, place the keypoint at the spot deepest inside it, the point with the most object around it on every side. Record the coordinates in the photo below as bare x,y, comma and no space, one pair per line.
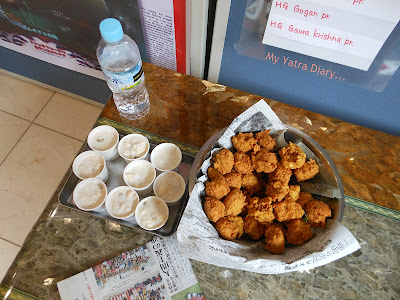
11,130
29,177
68,115
8,252
22,98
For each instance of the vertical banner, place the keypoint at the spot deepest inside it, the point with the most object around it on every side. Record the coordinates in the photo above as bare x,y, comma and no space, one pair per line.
180,34
164,28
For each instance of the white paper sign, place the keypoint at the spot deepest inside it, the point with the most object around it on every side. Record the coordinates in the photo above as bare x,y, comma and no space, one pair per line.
348,32
159,31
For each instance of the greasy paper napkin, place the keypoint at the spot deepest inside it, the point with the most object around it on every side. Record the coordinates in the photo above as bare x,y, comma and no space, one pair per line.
199,240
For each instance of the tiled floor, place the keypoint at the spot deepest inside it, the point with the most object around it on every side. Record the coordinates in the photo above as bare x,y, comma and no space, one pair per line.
41,132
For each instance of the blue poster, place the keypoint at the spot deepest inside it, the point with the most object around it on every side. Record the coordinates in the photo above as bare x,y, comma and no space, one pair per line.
368,98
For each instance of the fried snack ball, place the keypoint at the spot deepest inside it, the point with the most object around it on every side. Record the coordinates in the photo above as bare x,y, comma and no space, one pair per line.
252,183
223,161
297,232
307,171
254,229
256,148
264,161
214,209
213,173
234,202
217,188
317,212
261,210
230,227
234,180
244,142
286,211
243,163
265,140
276,190
274,239
279,225
245,209
304,197
292,156
281,174
293,194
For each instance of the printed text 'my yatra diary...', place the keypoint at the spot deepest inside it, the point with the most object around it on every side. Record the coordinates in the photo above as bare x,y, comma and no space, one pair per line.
314,68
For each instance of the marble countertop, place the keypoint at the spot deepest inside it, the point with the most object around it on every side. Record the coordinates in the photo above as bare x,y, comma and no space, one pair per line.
189,110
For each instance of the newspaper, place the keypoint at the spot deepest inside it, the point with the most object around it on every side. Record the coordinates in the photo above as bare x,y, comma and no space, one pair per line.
156,270
199,240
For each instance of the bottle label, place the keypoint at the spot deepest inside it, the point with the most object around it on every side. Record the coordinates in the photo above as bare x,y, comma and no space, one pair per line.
125,80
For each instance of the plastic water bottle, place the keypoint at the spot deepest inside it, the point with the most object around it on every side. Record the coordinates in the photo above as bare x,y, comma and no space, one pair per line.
120,61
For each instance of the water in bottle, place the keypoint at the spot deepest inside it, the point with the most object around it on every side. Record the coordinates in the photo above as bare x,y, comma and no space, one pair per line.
120,61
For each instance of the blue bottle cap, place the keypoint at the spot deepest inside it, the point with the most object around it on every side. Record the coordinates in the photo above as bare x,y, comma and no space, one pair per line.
111,30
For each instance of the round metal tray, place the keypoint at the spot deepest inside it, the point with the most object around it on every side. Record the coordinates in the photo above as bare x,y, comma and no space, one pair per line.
295,136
